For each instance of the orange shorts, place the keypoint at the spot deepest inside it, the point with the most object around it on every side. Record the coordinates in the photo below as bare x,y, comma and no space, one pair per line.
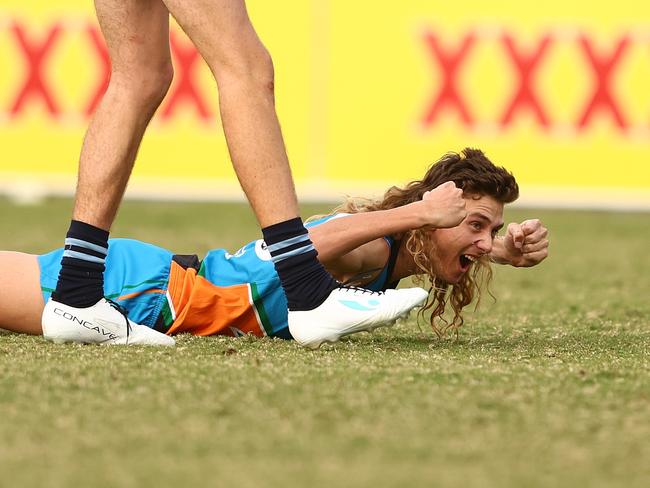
199,307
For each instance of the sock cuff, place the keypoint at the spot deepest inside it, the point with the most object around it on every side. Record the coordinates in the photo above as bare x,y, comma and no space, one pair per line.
297,241
85,246
83,267
283,230
88,233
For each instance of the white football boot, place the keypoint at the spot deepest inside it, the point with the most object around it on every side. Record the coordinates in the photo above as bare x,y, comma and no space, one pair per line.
348,310
103,323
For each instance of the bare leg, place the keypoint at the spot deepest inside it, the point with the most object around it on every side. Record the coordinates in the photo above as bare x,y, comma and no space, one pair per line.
242,67
137,36
21,301
222,32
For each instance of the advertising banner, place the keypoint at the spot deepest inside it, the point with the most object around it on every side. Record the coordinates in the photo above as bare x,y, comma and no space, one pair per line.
368,94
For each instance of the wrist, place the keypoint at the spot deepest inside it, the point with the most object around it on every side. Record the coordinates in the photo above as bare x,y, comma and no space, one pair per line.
411,216
498,254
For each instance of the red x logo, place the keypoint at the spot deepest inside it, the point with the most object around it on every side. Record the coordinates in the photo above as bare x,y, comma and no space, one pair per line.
184,88
526,65
603,70
449,63
35,56
105,76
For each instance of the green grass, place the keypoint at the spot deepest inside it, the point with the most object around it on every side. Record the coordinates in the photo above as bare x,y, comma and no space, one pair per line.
549,386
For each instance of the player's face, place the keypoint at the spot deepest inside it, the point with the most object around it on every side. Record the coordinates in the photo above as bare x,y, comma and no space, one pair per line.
458,247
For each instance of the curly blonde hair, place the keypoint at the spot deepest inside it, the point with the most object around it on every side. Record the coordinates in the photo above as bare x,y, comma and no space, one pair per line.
477,176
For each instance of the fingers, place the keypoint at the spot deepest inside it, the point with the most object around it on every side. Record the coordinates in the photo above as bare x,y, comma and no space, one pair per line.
445,188
517,234
533,258
444,206
535,246
531,226
447,184
536,234
528,232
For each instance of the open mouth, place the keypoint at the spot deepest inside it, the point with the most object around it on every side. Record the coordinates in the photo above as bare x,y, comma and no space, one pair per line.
466,260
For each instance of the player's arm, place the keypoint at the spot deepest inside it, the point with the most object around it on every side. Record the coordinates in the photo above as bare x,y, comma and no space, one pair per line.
523,245
441,207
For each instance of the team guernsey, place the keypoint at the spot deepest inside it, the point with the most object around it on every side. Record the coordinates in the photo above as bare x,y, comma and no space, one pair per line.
227,294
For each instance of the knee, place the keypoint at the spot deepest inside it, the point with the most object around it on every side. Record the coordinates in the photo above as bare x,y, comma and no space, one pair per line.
162,81
262,68
153,84
252,67
146,85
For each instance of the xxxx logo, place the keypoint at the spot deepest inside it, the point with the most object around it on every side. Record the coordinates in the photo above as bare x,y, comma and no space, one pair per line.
601,65
41,48
599,62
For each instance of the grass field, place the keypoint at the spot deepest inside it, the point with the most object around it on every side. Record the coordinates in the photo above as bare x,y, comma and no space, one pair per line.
549,386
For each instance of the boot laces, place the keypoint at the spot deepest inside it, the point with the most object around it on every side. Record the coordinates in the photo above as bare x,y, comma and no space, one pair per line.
124,313
362,290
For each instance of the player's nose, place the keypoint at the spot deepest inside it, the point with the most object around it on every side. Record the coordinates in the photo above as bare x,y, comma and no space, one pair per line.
484,244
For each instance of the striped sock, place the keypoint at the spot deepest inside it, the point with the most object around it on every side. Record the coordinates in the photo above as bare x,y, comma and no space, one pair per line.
305,281
81,279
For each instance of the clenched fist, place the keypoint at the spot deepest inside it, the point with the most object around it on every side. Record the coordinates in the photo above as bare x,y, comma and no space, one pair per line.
442,207
523,245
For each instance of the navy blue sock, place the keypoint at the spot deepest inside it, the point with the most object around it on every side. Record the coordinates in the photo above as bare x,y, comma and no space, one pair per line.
305,281
81,279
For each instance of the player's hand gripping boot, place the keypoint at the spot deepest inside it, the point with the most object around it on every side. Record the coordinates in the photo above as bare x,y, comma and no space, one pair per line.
103,323
348,310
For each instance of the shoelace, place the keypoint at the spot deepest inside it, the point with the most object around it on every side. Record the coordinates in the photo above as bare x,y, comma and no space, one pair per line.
362,290
124,313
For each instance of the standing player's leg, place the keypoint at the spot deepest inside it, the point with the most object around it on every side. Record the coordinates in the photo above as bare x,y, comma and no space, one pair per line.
243,70
137,36
223,34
